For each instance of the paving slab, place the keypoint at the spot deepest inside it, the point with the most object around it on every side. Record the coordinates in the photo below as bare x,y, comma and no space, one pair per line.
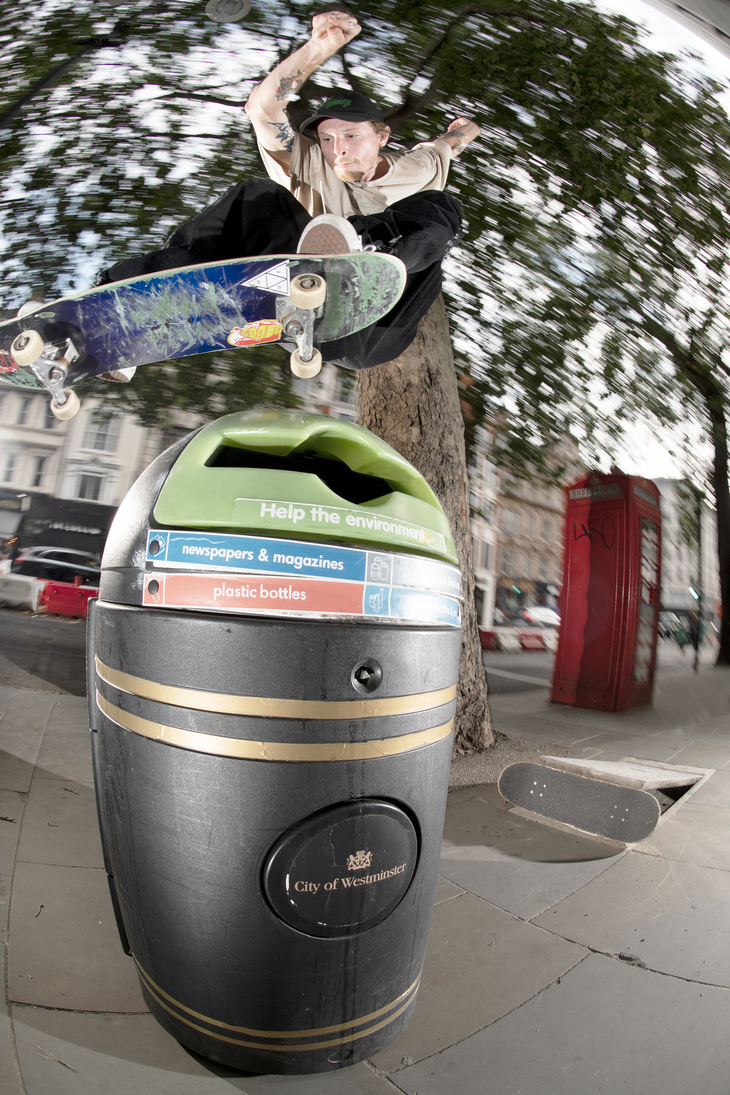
692,833
446,891
661,748
10,1081
673,917
12,804
129,1054
518,864
60,825
715,792
480,964
606,1027
703,754
67,954
23,718
613,744
65,752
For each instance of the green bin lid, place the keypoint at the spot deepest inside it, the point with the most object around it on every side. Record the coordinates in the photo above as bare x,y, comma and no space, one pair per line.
303,476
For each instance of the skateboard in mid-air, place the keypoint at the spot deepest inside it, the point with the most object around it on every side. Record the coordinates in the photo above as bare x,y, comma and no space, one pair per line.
298,300
595,806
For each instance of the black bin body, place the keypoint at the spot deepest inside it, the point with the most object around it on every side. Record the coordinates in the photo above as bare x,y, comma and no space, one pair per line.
271,797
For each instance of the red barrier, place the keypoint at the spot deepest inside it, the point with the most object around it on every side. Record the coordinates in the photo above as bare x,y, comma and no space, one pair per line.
488,639
531,639
67,599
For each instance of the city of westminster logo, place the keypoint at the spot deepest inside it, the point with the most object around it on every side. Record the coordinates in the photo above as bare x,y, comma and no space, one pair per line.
359,861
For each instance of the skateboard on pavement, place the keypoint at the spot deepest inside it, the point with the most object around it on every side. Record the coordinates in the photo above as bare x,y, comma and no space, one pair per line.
300,300
594,806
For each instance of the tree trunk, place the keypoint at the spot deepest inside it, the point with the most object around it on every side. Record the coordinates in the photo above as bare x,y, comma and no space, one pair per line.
721,491
413,404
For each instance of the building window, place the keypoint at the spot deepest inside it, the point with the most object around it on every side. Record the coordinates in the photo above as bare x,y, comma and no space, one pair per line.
39,466
547,531
24,410
511,521
102,434
10,467
89,487
487,556
544,569
346,386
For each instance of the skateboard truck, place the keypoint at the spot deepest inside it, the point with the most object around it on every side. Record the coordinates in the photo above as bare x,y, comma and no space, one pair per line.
307,293
30,351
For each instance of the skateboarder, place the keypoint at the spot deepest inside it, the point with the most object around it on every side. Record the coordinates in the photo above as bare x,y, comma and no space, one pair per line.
337,171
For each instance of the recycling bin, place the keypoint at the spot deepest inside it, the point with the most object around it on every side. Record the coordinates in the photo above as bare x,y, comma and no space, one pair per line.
273,662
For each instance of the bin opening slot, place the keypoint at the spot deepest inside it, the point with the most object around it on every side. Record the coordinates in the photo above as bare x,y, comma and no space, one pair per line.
348,484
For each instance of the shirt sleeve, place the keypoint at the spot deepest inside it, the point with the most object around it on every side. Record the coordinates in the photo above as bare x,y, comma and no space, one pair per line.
430,161
303,170
274,169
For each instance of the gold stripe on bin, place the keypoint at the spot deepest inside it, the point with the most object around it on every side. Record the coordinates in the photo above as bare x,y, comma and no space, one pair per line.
278,1045
271,707
271,750
279,1034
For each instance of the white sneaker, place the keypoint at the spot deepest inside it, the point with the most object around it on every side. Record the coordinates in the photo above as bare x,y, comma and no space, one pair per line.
329,234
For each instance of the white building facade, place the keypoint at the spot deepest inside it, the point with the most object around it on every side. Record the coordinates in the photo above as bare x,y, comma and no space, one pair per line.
681,569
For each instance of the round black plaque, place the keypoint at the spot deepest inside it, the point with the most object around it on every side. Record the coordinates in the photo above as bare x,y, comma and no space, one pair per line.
343,870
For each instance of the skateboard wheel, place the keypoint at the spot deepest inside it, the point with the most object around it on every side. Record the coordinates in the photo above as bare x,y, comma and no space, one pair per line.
308,291
27,348
69,408
29,306
305,369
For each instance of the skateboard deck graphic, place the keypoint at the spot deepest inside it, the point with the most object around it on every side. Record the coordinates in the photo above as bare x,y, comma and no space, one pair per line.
196,310
594,806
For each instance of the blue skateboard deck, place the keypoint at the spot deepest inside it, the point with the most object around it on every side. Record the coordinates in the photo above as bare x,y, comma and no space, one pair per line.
196,310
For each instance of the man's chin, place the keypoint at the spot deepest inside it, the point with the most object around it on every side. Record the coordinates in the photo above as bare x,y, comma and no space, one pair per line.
344,174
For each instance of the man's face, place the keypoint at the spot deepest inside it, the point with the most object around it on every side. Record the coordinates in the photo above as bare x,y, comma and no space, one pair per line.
352,149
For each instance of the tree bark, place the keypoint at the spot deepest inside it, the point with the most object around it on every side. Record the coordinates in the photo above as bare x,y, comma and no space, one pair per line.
721,491
413,404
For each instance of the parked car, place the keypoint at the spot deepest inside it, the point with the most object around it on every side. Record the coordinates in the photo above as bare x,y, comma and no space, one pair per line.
538,616
58,565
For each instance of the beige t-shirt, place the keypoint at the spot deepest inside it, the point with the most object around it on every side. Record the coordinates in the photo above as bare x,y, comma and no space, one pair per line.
313,182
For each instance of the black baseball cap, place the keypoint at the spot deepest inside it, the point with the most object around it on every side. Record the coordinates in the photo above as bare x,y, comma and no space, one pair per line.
347,105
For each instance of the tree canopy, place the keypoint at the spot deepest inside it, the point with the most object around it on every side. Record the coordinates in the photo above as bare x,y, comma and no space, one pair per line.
590,285
585,135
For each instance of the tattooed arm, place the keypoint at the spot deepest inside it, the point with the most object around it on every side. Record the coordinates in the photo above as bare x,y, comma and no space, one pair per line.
459,134
266,106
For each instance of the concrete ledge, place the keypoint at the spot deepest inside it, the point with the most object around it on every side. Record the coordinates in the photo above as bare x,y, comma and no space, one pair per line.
20,592
507,638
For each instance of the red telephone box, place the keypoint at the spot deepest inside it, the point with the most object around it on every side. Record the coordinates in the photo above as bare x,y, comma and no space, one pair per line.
610,602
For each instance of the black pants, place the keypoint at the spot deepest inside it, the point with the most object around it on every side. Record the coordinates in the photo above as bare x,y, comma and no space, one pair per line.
259,217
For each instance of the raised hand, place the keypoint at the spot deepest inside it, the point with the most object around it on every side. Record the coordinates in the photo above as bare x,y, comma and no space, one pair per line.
332,30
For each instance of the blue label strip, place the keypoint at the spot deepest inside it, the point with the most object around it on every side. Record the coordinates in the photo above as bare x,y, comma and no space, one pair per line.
295,558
